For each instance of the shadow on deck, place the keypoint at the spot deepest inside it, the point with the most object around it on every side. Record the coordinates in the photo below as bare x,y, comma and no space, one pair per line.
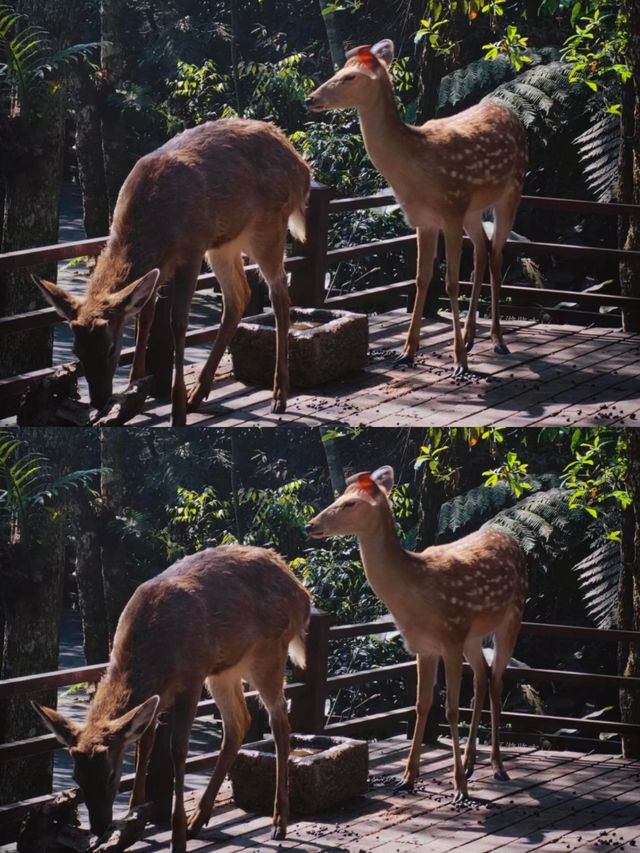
555,375
555,801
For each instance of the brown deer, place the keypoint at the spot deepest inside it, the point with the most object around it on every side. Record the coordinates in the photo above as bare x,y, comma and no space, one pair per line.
220,616
444,174
220,189
444,601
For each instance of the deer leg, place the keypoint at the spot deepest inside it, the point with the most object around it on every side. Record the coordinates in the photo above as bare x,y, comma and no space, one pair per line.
268,252
504,215
267,676
473,653
453,673
183,716
453,248
229,698
144,321
427,668
231,277
182,292
504,642
427,245
473,227
144,748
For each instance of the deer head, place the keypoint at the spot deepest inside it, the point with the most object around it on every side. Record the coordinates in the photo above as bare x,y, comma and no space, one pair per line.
97,750
359,509
357,83
97,323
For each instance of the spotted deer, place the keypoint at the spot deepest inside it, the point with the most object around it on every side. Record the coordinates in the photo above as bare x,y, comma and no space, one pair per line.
219,616
444,174
222,189
444,600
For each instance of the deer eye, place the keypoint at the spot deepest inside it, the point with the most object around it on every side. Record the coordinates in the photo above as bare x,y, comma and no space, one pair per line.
348,504
349,77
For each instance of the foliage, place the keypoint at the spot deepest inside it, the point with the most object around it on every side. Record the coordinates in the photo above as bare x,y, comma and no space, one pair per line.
512,471
596,477
27,59
276,519
599,578
270,91
544,526
28,487
598,150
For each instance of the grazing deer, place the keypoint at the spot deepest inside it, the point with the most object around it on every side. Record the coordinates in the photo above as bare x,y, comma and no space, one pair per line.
444,174
444,601
220,189
218,616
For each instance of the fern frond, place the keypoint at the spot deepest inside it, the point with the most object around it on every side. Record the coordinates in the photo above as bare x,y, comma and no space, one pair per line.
598,149
599,577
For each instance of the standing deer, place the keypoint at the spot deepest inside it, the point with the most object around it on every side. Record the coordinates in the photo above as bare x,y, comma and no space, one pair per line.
444,174
218,616
444,601
220,189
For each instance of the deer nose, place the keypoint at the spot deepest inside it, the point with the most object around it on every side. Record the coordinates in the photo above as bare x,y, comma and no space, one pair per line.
309,527
310,101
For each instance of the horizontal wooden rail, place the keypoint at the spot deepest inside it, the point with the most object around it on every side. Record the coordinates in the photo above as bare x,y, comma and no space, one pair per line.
568,205
386,623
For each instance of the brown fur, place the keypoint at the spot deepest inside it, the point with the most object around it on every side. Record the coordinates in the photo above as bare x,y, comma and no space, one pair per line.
444,600
444,174
222,189
220,616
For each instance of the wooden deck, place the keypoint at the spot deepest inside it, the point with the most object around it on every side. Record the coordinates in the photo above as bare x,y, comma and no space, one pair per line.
554,801
555,375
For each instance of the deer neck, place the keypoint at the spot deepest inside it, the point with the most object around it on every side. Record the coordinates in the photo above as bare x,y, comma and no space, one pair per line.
386,136
118,692
385,562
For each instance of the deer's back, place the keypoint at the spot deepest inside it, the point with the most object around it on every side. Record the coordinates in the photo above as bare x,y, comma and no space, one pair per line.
204,613
207,184
463,588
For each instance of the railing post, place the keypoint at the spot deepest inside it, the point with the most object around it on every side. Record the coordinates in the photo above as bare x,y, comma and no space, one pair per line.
307,283
159,788
160,347
307,711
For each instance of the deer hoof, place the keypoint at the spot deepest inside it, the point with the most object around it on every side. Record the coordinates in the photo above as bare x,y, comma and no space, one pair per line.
468,771
468,345
501,348
279,407
460,371
404,360
405,786
501,775
460,798
279,833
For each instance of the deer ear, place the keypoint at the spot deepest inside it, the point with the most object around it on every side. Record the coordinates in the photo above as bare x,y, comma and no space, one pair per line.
65,730
132,725
384,477
134,297
384,50
65,303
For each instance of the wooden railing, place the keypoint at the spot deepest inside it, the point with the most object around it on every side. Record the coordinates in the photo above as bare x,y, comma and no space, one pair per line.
309,691
308,266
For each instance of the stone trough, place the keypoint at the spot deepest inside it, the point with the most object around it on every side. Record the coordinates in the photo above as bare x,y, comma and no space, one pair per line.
323,346
323,772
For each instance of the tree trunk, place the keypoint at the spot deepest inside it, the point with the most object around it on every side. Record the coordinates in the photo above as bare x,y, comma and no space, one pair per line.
32,191
115,558
332,455
630,274
115,150
91,174
629,598
91,598
31,219
32,600
334,36
233,45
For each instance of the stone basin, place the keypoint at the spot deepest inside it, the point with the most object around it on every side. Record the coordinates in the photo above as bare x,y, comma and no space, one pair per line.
323,345
323,772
